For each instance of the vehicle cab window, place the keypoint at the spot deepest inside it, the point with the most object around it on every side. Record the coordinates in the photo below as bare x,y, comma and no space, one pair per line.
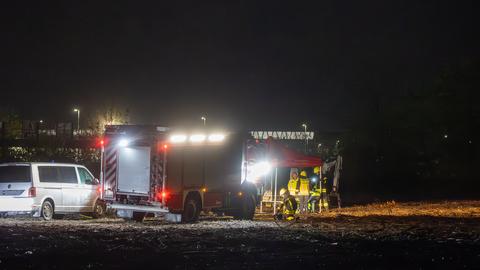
85,177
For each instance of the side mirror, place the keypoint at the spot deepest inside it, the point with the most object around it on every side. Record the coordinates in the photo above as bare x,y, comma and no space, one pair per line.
95,181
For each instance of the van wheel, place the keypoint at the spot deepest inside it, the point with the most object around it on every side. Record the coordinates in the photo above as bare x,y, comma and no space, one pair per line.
191,210
47,210
99,210
138,216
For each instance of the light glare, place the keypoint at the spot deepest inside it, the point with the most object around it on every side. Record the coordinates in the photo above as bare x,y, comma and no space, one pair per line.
197,138
258,170
216,137
123,143
178,138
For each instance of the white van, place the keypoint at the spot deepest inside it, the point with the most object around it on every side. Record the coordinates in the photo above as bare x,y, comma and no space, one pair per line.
48,190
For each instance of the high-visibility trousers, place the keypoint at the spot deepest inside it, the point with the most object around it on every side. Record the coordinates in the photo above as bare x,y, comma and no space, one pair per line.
324,198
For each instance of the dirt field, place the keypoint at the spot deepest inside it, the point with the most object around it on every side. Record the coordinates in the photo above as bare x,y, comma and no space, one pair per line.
380,236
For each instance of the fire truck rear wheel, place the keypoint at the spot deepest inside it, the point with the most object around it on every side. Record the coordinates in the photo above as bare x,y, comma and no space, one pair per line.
191,211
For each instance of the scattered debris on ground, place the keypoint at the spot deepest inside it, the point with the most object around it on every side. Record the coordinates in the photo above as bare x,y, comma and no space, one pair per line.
390,235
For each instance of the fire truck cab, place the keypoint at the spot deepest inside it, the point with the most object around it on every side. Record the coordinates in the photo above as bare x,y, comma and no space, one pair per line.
157,170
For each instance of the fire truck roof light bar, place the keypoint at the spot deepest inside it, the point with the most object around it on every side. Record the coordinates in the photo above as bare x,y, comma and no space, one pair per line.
216,137
178,138
196,138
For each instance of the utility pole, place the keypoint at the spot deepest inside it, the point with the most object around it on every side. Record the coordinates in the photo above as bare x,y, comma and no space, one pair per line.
78,118
306,137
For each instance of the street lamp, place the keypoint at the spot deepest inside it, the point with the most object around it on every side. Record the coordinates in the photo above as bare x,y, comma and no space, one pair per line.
204,120
306,137
78,117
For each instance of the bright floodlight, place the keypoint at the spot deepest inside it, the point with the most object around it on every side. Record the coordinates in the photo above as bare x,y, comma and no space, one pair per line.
258,170
216,137
123,143
178,138
197,138
262,168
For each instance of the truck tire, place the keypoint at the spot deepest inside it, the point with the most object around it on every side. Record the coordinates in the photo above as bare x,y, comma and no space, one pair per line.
99,210
246,208
138,216
191,210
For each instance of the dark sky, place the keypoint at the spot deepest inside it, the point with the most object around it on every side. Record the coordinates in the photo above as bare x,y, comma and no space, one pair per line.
257,64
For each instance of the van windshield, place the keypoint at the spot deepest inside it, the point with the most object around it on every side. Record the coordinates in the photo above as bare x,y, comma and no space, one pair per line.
15,174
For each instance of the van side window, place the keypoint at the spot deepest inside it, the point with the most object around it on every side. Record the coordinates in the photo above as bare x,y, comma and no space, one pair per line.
48,174
57,174
68,175
85,177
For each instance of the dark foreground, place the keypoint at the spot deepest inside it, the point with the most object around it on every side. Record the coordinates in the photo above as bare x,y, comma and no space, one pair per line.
387,236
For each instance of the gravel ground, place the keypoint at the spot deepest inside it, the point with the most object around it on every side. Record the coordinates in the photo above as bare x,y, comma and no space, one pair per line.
390,235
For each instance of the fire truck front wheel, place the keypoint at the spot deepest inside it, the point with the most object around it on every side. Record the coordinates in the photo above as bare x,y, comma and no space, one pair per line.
246,208
191,210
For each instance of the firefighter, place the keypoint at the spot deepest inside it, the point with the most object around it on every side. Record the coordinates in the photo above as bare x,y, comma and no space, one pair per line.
288,207
293,184
314,195
323,194
315,191
304,191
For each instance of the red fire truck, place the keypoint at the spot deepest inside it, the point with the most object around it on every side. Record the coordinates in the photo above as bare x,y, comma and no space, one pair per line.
157,170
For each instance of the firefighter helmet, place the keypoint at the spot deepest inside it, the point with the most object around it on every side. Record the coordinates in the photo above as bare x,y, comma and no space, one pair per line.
303,173
316,170
283,191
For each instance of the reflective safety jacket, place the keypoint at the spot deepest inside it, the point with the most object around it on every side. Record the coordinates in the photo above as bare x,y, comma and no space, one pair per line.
315,191
289,205
304,186
293,186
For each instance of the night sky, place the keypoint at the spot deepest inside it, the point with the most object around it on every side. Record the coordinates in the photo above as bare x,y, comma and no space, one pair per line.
246,64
